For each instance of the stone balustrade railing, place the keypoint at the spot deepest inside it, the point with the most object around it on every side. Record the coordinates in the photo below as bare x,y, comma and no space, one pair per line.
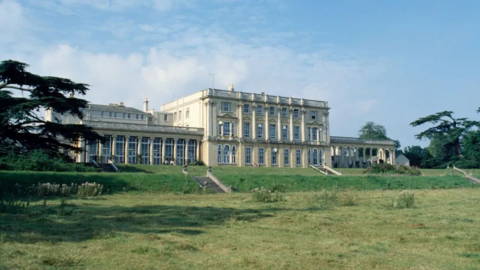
142,127
350,140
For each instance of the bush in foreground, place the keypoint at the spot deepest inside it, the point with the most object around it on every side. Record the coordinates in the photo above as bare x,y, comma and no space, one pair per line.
266,196
383,168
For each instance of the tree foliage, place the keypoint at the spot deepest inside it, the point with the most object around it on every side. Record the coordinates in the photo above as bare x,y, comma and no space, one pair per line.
373,131
21,128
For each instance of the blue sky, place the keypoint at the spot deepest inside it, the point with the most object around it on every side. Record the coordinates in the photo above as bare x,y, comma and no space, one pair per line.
390,62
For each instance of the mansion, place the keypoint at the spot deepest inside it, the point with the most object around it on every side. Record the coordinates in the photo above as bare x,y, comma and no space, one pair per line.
224,127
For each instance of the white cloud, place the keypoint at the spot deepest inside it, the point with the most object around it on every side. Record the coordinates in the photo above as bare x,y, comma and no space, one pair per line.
116,5
12,20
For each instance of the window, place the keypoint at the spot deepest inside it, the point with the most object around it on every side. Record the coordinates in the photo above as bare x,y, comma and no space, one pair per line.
179,115
314,134
284,132
107,147
284,112
226,154
234,154
110,114
259,131
246,130
141,116
124,115
129,115
286,156
295,113
165,117
119,149
137,116
187,114
271,111
309,134
296,133
226,128
101,114
272,131
259,109
299,156
168,150
261,156
274,156
309,155
248,155
313,114
92,150
246,108
220,127
192,151
233,128
115,115
145,151
132,150
157,151
180,158
150,119
226,106
175,116
219,154
315,157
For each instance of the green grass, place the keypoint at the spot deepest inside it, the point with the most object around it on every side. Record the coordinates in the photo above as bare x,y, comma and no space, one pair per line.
166,231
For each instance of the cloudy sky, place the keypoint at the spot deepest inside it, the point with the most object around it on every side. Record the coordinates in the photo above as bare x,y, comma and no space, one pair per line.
390,62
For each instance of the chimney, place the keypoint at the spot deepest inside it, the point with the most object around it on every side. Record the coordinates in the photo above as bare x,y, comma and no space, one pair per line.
145,105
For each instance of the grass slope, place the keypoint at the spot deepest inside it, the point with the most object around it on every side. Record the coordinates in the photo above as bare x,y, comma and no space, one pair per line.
155,231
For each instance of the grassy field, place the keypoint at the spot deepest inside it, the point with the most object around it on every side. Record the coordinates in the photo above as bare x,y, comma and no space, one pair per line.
230,231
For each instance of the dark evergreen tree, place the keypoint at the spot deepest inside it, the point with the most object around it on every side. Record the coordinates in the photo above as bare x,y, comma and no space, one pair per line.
21,128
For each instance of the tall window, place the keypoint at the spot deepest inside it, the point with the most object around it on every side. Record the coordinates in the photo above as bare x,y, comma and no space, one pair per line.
179,115
124,115
248,155
129,115
259,131
299,156
286,156
157,151
145,151
309,134
226,154
246,108
132,150
233,128
187,114
234,154
220,127
309,156
226,106
110,114
165,117
192,151
284,132
274,156
315,157
101,114
92,150
284,112
226,128
180,158
107,147
259,109
313,114
168,150
314,134
137,116
296,133
219,160
261,156
120,149
246,130
175,116
272,131
295,113
271,111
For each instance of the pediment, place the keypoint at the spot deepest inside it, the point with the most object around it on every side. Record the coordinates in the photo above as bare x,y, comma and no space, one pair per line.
296,122
228,115
315,122
285,121
248,118
272,120
260,119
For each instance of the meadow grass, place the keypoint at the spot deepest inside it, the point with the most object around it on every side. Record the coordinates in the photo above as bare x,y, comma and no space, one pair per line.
231,231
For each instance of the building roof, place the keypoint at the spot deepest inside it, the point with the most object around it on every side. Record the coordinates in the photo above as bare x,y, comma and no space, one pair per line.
402,159
114,108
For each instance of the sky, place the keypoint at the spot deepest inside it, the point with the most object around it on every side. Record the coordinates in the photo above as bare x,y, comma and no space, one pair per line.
390,62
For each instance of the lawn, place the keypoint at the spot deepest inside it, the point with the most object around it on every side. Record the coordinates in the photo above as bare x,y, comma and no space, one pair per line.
231,231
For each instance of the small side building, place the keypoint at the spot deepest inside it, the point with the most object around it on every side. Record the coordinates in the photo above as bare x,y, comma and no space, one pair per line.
402,160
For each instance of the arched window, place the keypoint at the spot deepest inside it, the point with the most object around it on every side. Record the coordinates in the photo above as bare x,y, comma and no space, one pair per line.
234,154
219,154
226,154
315,157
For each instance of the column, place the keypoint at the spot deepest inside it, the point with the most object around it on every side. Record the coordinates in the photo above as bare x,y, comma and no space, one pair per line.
291,123
151,139
254,122
127,138
208,122
356,156
175,150
113,146
280,157
279,127
213,119
240,121
267,127
303,127
139,144
185,152
197,153
162,160
342,157
392,156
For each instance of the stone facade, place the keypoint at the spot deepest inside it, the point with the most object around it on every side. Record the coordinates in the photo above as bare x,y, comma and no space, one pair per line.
224,128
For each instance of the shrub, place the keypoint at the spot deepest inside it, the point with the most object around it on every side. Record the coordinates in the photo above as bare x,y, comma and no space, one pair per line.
266,195
335,198
406,199
89,189
391,169
64,190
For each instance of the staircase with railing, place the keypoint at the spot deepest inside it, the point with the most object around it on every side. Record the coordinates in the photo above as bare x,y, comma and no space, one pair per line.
467,175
